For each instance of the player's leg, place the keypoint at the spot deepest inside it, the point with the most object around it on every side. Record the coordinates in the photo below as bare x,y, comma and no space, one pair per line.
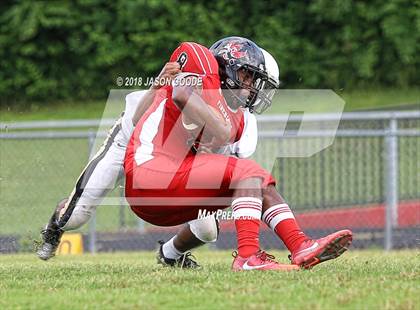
175,252
305,252
99,176
239,178
247,205
244,180
247,209
278,216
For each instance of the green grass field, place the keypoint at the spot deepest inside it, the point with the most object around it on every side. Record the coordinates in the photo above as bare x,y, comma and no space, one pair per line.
357,280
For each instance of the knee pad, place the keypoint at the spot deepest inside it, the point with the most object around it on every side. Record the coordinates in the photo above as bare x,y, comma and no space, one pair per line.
205,229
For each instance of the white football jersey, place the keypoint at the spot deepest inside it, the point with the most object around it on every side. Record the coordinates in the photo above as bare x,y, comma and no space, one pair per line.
247,144
131,102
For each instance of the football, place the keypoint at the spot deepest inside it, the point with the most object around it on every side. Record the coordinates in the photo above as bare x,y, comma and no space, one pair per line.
200,132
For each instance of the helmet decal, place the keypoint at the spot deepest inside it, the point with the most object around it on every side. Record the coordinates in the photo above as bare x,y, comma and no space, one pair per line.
232,50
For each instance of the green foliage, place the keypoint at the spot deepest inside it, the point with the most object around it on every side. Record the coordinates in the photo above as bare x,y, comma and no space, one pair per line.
75,50
344,44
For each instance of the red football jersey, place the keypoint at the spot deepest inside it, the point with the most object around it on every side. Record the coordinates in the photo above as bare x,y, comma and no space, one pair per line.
160,134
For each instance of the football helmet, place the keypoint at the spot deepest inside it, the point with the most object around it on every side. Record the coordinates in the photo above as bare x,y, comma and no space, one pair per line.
236,54
268,89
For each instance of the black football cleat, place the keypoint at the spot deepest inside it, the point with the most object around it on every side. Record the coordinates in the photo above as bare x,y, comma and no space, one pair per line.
50,241
50,236
185,261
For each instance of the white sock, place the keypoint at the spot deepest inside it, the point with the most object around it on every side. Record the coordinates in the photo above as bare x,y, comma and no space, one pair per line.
170,251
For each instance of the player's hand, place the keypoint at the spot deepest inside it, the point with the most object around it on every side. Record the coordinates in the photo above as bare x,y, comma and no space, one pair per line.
211,147
169,70
203,149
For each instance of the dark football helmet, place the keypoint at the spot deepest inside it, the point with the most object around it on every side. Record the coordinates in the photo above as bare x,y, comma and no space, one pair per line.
234,54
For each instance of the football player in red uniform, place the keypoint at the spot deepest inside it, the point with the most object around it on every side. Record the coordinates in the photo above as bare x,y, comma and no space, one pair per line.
168,182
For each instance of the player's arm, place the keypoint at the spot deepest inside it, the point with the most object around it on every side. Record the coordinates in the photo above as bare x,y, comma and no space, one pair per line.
186,98
247,144
166,75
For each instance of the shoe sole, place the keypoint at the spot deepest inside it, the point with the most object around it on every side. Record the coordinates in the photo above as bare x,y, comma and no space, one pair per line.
332,250
44,258
46,254
286,268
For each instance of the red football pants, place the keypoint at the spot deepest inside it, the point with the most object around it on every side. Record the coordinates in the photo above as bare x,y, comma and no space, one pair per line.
204,181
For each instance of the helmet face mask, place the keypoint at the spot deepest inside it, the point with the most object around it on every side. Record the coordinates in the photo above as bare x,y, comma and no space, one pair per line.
244,78
266,94
245,85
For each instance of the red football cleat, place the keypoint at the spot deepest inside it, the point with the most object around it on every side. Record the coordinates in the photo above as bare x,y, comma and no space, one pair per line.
259,261
313,252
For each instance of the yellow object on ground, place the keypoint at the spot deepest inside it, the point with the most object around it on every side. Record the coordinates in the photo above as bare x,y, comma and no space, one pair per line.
70,244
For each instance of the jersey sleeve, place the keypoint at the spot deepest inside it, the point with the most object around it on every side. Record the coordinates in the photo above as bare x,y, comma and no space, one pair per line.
195,58
131,102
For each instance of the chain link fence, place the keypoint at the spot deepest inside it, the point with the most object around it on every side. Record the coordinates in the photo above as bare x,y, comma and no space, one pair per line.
368,180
